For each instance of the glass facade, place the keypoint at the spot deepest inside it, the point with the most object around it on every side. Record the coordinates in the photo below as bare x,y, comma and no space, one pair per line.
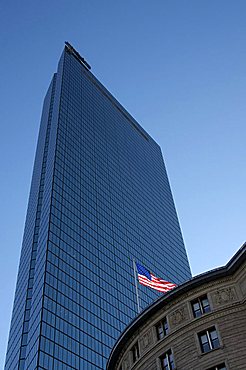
99,198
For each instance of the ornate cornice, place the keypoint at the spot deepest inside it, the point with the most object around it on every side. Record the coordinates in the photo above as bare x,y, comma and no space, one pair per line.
222,296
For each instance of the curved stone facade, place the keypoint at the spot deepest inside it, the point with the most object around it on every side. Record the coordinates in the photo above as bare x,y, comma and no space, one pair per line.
201,325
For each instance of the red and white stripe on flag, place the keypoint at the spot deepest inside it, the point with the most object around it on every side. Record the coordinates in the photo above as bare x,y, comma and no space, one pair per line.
156,283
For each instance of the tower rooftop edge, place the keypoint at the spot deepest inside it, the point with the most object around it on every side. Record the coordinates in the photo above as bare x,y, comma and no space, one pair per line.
82,60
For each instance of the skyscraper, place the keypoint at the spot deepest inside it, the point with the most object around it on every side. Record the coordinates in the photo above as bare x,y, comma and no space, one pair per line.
99,197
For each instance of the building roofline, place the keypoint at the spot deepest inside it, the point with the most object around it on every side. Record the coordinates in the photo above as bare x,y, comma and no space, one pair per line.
235,262
70,49
76,54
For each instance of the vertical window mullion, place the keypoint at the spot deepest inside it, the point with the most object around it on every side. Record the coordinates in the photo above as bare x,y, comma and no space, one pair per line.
168,363
209,340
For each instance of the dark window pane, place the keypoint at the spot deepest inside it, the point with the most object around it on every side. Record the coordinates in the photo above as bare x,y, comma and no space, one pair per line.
162,328
209,340
200,306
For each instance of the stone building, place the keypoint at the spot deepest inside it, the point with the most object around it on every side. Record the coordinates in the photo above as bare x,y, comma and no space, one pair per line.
200,325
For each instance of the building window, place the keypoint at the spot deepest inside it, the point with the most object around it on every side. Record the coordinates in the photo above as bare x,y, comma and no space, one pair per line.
135,352
167,362
162,328
208,340
218,367
200,306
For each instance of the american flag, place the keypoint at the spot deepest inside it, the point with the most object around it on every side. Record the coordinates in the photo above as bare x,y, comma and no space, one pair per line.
146,278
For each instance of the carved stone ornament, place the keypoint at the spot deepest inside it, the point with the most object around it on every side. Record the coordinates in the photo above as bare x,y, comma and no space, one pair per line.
146,340
243,286
126,364
224,296
179,316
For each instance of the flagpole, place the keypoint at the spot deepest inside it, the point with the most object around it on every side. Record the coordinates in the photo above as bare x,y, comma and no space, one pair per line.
136,283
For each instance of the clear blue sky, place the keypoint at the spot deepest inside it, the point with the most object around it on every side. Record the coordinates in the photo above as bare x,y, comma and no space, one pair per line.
179,69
